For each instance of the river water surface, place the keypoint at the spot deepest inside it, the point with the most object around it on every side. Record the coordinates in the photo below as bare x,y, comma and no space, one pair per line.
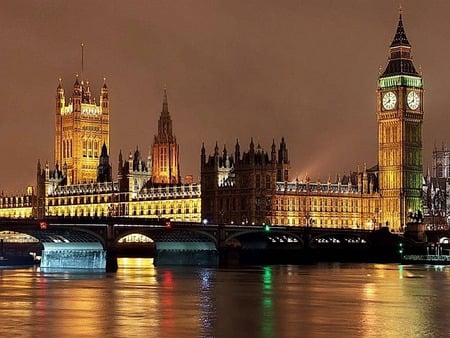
140,300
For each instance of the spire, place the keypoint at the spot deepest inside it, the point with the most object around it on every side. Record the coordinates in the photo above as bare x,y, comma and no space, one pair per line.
105,150
165,122
400,60
120,162
59,94
216,150
237,151
273,153
400,38
86,93
252,145
203,154
165,108
82,58
77,82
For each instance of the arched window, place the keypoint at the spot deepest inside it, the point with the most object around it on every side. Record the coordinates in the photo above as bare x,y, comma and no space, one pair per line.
90,148
84,148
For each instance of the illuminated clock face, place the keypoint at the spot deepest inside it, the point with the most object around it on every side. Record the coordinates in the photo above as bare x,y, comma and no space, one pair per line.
413,100
389,100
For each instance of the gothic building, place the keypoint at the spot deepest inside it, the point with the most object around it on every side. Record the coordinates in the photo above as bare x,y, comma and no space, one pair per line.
165,150
441,162
400,120
251,186
436,189
239,188
254,188
81,129
83,185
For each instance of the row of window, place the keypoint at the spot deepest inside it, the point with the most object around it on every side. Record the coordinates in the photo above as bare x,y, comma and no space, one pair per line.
322,222
123,210
91,148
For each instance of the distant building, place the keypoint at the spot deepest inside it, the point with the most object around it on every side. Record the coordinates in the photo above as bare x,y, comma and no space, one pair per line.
254,188
441,162
436,189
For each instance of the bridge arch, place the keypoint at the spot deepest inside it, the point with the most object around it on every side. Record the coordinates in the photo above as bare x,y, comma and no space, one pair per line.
331,239
9,236
135,237
162,234
272,237
444,240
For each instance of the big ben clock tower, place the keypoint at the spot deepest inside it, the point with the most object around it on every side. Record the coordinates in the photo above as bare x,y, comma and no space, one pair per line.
400,119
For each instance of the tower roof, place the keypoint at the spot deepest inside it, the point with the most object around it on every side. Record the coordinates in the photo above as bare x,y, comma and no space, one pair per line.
165,123
400,38
165,108
400,60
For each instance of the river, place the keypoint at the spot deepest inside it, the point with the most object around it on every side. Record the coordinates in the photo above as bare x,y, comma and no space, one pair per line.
140,300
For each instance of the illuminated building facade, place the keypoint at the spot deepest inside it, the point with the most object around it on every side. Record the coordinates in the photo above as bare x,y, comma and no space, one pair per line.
254,188
144,188
248,187
400,119
165,150
18,206
81,129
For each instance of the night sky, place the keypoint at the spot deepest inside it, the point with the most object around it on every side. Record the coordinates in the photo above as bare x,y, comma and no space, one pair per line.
305,70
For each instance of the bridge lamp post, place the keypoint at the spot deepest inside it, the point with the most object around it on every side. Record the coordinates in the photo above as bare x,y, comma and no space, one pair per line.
205,222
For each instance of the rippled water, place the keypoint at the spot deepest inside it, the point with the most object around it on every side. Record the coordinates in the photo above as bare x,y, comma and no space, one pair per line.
140,300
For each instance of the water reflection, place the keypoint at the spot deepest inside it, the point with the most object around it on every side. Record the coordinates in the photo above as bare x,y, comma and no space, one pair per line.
268,314
351,300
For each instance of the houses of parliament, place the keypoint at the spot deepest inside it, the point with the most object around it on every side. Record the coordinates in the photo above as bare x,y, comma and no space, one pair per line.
246,186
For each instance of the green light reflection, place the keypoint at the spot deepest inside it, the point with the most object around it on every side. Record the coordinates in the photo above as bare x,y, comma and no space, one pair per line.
268,329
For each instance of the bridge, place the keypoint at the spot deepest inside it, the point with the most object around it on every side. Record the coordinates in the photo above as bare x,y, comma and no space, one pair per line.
86,242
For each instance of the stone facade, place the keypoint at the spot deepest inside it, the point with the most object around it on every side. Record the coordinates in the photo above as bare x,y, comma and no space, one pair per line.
81,129
254,188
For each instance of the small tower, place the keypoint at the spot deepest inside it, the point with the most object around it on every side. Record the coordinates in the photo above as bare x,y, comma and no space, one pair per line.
283,165
165,150
104,167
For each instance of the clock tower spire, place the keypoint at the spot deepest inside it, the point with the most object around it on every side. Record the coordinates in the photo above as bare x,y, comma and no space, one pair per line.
400,120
